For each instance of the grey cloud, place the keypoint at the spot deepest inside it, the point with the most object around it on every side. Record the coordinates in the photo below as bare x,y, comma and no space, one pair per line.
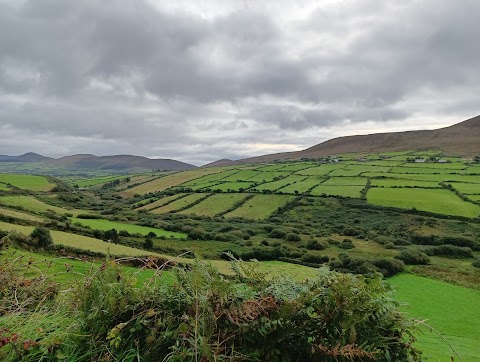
147,79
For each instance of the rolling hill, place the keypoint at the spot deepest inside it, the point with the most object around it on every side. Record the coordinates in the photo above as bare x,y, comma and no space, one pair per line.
461,139
104,163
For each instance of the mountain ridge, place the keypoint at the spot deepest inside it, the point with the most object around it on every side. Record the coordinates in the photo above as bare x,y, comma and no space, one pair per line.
461,139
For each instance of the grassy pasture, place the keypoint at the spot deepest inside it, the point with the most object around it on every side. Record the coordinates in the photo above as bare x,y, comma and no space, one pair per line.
439,201
20,215
4,187
297,166
260,206
275,185
474,197
232,186
102,224
345,181
321,170
272,167
466,188
94,181
172,180
450,309
267,176
390,182
178,204
27,182
423,170
215,204
208,179
439,166
366,168
303,186
161,202
344,172
426,177
472,170
32,204
245,175
335,190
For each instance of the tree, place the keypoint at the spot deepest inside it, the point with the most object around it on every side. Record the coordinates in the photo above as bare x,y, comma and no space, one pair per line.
42,237
148,244
476,159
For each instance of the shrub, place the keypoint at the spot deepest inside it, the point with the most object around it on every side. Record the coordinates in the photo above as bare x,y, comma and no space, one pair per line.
278,234
315,245
389,266
413,257
41,236
148,243
450,251
476,263
314,258
293,237
346,244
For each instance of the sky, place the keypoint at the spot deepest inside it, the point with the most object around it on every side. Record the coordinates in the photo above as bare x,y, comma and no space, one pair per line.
199,80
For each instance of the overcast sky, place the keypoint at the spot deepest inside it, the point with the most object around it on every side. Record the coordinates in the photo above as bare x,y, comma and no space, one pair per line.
202,80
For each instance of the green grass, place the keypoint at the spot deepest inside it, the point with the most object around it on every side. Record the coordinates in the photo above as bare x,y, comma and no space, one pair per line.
331,190
320,170
215,204
390,182
160,202
303,186
232,186
450,309
95,181
345,181
101,224
4,187
209,179
432,200
275,185
178,204
241,176
267,176
426,177
466,188
32,204
27,182
260,206
20,215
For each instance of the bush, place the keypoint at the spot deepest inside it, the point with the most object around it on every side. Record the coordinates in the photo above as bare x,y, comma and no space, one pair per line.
314,258
278,234
389,266
413,257
41,236
315,245
148,243
450,251
293,237
346,244
476,263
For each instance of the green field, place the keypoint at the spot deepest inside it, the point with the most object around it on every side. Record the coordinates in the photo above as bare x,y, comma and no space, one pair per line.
302,186
27,182
4,187
260,206
101,224
20,215
345,181
32,204
178,204
474,197
215,204
161,202
275,185
267,176
232,186
432,200
451,310
390,182
345,191
321,170
466,188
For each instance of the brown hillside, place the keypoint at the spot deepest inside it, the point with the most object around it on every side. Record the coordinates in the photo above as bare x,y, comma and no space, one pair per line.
462,139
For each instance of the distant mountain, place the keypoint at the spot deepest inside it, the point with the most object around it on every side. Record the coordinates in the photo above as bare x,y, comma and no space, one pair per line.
105,163
26,157
119,162
461,139
220,163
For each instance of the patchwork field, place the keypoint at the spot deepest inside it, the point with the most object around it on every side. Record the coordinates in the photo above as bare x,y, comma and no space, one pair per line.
260,206
179,203
466,188
27,182
215,204
102,224
302,186
432,200
161,202
390,182
32,204
20,215
166,182
332,190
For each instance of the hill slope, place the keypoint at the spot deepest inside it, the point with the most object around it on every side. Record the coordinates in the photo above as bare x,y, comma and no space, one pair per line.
462,139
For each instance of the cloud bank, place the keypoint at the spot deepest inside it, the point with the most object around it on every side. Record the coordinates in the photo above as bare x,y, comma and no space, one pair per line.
200,81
